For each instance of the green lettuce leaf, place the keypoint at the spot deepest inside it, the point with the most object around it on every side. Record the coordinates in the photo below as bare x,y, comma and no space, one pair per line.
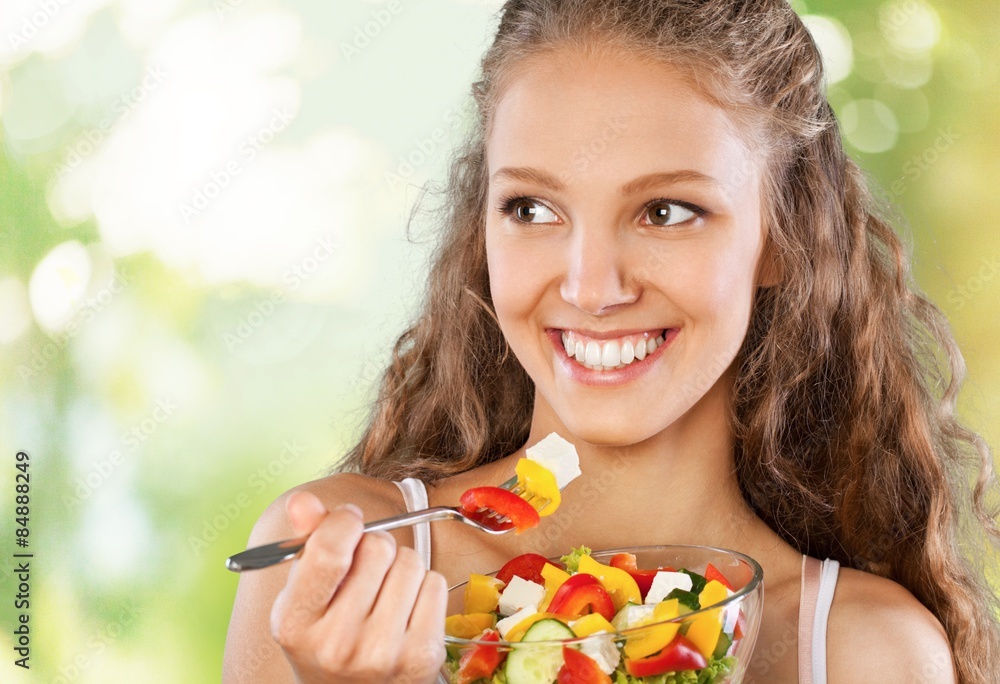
572,559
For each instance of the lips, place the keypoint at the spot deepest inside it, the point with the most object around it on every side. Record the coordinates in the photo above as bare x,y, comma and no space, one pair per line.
599,374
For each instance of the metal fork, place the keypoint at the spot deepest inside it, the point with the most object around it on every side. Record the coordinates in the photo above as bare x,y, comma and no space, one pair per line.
487,520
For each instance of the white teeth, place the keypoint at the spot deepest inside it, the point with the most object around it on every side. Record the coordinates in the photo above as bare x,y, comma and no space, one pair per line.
610,355
628,352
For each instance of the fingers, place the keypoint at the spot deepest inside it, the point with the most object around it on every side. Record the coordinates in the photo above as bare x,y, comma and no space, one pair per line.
399,593
374,558
305,512
354,605
424,640
316,575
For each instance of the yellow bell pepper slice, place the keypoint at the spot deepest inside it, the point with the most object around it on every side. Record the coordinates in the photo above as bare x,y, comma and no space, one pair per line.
617,582
706,627
468,626
517,631
538,481
554,578
714,592
482,594
704,632
655,638
589,624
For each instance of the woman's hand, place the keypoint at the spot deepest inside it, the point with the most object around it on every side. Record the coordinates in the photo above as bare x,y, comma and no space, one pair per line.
356,608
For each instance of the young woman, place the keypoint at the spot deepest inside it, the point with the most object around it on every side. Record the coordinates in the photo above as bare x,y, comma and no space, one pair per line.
663,173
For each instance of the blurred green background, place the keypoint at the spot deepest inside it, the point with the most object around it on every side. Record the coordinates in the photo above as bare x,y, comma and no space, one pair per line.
203,264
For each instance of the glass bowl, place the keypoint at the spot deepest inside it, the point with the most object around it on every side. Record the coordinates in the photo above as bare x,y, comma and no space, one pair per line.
727,665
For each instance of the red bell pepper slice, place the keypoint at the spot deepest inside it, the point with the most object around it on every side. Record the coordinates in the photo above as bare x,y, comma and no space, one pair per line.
579,668
580,592
712,573
522,514
527,566
680,654
480,661
644,578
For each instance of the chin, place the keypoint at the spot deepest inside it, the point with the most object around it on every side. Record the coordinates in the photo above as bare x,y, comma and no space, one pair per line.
610,432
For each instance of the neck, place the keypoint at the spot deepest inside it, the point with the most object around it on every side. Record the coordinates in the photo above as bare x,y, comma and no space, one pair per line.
676,487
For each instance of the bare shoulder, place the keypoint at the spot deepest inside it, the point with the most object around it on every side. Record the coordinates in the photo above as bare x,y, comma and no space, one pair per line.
377,498
878,631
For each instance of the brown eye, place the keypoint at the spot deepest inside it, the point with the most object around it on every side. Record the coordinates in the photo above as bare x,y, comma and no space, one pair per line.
526,210
663,213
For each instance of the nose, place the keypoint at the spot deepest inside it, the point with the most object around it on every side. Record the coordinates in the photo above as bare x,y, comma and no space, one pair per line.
597,277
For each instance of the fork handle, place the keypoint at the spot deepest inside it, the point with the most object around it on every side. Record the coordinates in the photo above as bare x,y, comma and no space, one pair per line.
277,552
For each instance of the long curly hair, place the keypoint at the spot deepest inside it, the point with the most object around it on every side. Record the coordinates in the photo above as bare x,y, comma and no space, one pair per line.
847,443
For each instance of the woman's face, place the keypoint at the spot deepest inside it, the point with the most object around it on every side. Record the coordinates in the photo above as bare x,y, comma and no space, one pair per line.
622,209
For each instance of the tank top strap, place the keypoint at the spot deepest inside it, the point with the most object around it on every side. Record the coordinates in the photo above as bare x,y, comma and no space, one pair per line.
819,581
415,496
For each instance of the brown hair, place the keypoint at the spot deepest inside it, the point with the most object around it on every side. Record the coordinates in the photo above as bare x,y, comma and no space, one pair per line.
846,444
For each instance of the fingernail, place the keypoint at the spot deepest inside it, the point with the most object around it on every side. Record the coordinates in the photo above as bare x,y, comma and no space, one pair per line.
353,509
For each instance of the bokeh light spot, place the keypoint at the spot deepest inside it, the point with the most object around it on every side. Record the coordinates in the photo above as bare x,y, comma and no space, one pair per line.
869,126
59,283
910,25
834,43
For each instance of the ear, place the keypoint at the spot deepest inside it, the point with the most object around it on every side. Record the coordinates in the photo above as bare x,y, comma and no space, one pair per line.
770,271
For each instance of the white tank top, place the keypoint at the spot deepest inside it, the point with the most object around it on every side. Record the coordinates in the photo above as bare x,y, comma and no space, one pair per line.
819,580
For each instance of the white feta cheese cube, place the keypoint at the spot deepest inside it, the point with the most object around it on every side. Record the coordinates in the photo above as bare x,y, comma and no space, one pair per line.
558,455
510,622
604,651
731,614
519,593
664,583
635,614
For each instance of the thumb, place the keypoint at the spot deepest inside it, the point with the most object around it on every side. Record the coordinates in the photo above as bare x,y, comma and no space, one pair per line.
305,512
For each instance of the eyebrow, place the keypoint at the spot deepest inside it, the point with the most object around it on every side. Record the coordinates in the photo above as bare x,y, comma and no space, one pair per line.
537,176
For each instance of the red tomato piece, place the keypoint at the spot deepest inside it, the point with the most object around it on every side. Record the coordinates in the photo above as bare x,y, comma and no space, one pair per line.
680,654
712,573
644,578
579,668
480,661
527,566
580,593
522,514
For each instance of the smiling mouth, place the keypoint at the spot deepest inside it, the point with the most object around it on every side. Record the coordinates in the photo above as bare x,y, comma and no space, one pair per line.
613,354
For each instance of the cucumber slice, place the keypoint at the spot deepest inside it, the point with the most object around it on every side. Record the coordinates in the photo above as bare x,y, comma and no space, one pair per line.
620,620
538,664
